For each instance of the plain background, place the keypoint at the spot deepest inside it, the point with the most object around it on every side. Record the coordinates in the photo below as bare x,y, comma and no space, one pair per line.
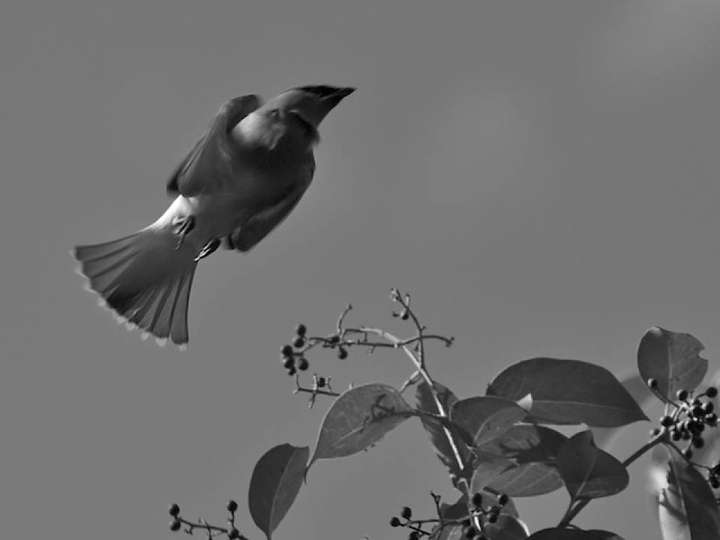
541,175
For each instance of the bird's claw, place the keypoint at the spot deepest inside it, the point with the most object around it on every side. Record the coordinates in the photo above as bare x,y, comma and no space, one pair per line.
182,225
209,249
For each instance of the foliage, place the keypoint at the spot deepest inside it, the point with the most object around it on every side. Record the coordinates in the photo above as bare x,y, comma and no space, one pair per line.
500,446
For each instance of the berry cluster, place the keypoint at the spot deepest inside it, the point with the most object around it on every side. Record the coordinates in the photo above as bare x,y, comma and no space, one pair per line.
484,514
294,360
232,533
689,419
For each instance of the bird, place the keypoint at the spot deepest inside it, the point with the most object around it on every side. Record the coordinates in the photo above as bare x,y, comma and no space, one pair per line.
239,181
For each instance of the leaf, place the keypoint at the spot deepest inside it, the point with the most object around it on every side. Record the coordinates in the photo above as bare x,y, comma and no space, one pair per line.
687,507
589,472
521,463
426,403
448,532
358,419
672,359
486,418
573,534
568,392
506,528
275,483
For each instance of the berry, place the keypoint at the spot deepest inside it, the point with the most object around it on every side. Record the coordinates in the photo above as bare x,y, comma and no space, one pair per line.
682,395
697,411
698,442
406,512
303,363
711,392
675,435
232,506
299,342
492,518
714,482
688,453
711,419
300,329
395,521
292,371
321,382
477,500
503,499
288,362
414,536
334,340
654,432
287,351
652,383
174,510
342,353
708,407
175,525
471,532
667,421
233,534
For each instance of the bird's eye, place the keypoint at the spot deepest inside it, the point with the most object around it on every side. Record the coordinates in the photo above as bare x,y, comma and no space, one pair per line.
274,113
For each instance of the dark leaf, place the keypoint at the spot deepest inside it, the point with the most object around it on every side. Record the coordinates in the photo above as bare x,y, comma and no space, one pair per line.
568,392
275,483
358,419
687,507
451,531
589,472
521,463
439,440
486,418
573,534
672,359
506,528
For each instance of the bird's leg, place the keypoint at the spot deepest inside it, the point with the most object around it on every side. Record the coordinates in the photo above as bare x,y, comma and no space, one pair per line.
182,225
209,249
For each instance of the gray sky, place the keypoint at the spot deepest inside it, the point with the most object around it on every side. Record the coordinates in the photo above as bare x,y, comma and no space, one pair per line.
541,175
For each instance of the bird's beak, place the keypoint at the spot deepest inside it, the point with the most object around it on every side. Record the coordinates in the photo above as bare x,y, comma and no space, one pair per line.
336,97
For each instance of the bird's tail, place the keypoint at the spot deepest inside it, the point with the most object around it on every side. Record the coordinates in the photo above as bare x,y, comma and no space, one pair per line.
145,279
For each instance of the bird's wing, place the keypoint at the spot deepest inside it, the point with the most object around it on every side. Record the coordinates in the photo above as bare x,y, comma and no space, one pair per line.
266,219
208,163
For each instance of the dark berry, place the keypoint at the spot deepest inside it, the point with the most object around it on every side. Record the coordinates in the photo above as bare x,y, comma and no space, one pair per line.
708,407
232,506
287,351
321,382
696,402
711,392
667,421
175,525
233,534
652,383
395,521
342,353
303,363
503,499
675,435
405,315
711,419
466,523
299,342
682,395
406,512
174,510
714,482
697,411
492,517
477,500
471,532
334,340
414,536
301,329
288,362
292,371
654,432
698,442
686,435
688,453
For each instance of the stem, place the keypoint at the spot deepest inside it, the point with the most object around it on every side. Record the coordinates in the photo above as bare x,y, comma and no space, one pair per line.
573,511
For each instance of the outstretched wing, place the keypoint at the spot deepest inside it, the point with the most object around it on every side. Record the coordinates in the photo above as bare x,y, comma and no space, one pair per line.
208,163
259,225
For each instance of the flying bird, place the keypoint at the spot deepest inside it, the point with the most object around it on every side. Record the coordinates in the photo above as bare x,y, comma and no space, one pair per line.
239,181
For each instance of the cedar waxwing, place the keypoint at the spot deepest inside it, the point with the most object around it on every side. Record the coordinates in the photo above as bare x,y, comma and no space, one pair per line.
239,182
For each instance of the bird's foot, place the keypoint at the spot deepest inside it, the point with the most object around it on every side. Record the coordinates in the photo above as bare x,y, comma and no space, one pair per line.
209,249
182,225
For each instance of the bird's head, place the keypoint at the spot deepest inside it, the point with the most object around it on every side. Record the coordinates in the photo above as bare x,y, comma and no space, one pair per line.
310,103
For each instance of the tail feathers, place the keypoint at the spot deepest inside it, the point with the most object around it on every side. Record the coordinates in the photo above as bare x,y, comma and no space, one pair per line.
144,279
